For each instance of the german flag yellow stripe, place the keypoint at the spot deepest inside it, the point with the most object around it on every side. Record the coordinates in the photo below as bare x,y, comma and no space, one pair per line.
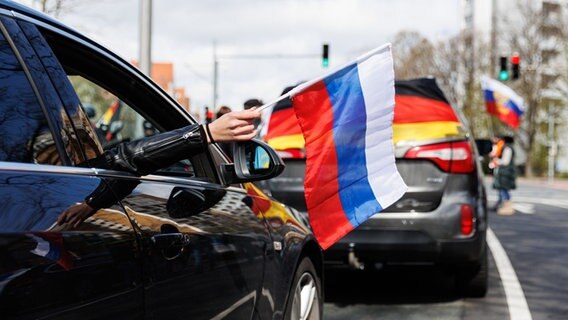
406,131
293,141
426,130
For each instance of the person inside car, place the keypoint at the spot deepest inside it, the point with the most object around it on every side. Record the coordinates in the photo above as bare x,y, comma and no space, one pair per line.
146,155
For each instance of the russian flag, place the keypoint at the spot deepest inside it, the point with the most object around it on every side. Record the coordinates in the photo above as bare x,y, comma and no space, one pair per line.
502,102
346,119
51,246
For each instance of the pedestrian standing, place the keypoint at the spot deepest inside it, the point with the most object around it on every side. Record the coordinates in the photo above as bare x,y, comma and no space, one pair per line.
208,115
504,173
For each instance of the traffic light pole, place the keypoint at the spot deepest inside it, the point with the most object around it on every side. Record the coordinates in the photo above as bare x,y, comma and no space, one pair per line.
551,147
215,75
493,50
145,63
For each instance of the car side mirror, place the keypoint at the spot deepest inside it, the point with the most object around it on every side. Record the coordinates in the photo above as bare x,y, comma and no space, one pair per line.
254,160
484,146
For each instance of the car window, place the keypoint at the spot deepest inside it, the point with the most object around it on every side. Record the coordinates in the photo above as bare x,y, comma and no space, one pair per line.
24,129
122,106
114,121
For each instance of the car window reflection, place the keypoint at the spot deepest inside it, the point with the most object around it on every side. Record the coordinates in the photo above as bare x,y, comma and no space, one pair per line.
20,112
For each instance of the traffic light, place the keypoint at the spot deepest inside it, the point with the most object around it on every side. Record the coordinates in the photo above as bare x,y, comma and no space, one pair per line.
325,56
515,62
503,73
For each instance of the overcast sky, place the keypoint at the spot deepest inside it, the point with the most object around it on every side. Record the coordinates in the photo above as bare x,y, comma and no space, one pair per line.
184,32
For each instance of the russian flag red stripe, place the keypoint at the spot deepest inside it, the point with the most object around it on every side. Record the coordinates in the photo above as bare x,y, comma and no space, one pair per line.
321,185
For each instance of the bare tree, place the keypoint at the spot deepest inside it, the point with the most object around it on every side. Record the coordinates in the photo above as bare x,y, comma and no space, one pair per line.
56,8
413,55
455,63
459,61
537,43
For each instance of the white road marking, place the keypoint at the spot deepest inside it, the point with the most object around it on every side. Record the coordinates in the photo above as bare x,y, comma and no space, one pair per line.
560,203
526,208
518,307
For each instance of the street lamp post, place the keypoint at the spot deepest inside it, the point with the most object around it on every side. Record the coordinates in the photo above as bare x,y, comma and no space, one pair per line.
145,24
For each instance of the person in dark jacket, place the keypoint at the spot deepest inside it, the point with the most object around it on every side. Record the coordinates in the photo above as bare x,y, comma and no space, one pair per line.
505,174
149,154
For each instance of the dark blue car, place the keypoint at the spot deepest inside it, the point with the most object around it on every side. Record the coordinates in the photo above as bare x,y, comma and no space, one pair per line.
195,240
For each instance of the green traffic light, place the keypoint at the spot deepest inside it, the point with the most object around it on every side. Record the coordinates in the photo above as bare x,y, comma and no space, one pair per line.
504,75
325,55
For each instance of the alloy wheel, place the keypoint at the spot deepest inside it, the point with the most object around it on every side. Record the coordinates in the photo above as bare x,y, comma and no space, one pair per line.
306,299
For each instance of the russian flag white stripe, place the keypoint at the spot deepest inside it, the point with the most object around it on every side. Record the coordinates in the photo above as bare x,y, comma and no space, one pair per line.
376,75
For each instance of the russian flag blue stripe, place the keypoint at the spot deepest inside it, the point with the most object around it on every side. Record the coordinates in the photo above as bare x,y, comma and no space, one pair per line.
349,128
511,105
488,95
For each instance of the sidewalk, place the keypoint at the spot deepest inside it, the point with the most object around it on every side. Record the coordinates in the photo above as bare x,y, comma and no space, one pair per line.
557,183
560,184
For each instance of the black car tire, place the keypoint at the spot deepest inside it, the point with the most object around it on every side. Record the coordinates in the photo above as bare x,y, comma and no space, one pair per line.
473,281
304,298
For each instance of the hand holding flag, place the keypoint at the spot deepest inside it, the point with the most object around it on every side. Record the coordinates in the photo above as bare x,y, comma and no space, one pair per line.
346,119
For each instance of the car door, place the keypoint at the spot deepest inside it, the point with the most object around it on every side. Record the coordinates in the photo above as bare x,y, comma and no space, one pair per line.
47,270
201,244
205,248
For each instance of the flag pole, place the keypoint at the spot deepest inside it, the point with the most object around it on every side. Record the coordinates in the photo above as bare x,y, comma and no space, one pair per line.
304,85
271,103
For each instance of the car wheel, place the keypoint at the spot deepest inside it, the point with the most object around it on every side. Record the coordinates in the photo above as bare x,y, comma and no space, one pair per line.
473,282
304,302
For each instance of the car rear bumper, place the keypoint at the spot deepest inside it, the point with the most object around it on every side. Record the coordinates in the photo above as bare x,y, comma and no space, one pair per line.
404,246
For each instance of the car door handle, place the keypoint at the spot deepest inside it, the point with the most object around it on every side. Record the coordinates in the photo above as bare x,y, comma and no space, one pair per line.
170,240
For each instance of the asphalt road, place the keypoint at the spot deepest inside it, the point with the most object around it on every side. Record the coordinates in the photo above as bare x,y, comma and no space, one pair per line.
534,285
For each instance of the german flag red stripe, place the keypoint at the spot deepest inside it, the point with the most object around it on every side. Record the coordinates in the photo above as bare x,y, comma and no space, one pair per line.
411,109
282,122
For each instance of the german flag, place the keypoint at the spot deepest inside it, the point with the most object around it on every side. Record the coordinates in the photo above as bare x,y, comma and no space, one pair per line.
422,112
283,131
111,115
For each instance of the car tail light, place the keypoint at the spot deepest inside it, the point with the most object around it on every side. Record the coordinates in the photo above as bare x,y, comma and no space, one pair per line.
466,219
292,154
454,157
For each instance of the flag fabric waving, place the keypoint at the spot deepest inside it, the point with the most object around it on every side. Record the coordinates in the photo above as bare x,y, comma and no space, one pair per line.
502,102
346,119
